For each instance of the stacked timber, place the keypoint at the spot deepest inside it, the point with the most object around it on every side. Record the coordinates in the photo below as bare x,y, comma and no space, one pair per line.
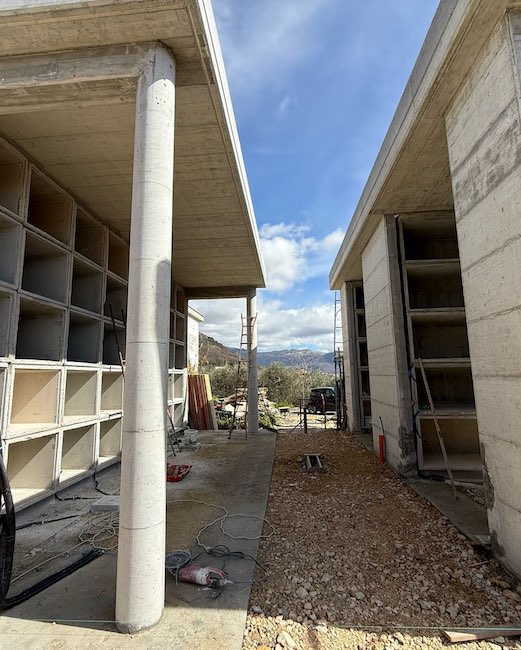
201,411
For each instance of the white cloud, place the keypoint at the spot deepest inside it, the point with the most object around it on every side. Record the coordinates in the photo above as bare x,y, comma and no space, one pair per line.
291,257
279,328
260,38
285,103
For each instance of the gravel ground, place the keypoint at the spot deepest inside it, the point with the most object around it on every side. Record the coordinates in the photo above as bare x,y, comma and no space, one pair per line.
355,548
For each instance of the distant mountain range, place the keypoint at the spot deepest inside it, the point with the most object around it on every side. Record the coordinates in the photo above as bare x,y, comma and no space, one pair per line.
213,353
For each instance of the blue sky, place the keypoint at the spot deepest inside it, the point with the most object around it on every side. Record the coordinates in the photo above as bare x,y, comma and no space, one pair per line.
315,84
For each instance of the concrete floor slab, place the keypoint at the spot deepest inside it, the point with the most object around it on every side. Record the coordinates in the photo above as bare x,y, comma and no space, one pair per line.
469,517
78,612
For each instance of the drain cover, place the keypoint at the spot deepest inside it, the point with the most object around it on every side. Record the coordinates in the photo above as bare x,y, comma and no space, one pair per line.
314,463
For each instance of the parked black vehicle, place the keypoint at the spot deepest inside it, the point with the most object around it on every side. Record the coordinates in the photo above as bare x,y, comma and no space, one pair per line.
320,398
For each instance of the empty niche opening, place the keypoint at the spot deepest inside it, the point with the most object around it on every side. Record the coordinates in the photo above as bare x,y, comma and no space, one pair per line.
50,209
364,356
180,301
177,381
461,441
437,340
80,395
366,407
30,466
430,239
113,344
11,179
77,452
180,328
87,287
451,389
9,249
118,256
41,330
6,302
171,354
110,439
359,298
180,356
442,290
35,398
45,269
89,239
116,299
111,391
84,339
361,327
364,378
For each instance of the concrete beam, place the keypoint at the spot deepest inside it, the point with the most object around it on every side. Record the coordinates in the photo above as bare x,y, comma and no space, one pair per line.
209,293
141,555
77,66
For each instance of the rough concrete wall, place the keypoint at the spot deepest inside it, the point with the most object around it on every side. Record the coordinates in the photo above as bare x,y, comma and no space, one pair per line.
350,369
484,139
385,345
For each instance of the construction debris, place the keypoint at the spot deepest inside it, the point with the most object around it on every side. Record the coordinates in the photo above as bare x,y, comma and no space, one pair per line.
480,634
201,411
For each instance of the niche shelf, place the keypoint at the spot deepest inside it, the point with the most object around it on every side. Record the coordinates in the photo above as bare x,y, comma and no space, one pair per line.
118,256
109,441
111,392
41,331
110,347
116,295
45,270
89,239
80,396
87,286
77,452
84,339
10,242
50,209
31,467
12,179
35,401
435,314
6,307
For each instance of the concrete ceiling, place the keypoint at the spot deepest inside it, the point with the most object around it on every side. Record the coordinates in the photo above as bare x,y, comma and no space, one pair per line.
81,133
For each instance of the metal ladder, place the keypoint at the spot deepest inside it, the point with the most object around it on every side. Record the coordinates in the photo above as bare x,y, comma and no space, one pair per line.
241,362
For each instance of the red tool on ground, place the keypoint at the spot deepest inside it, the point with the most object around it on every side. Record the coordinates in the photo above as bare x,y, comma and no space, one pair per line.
176,473
207,576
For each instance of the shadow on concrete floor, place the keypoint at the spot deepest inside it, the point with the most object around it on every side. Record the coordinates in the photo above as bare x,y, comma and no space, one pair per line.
78,612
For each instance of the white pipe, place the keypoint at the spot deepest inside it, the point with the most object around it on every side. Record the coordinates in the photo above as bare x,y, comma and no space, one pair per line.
253,378
141,555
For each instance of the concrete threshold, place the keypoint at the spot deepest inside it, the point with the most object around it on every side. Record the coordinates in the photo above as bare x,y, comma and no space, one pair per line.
466,515
78,612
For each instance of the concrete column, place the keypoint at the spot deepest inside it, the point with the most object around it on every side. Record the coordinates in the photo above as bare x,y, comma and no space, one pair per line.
141,554
253,377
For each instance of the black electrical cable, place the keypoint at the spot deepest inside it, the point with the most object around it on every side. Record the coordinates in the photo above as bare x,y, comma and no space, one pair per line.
48,521
7,532
7,542
47,582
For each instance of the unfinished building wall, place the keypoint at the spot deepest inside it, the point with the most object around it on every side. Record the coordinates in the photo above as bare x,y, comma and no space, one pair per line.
390,395
349,351
484,139
63,297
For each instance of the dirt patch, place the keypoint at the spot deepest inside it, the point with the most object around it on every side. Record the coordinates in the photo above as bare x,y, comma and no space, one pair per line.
356,548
